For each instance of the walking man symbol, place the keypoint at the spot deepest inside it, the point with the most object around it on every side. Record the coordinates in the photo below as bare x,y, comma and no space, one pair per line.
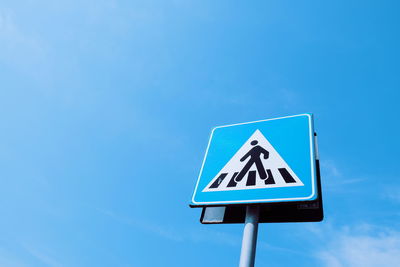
255,158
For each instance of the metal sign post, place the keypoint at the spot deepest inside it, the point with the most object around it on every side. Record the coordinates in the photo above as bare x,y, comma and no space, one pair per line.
249,242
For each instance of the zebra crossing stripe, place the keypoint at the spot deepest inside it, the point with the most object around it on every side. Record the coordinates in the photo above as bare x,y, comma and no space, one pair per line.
251,180
219,180
286,175
270,178
232,182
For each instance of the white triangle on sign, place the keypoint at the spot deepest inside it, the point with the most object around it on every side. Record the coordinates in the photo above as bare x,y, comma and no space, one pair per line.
244,170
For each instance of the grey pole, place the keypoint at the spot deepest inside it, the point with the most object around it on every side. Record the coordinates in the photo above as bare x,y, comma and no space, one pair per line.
249,242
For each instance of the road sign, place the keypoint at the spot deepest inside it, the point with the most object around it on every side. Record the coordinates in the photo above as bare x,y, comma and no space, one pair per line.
265,161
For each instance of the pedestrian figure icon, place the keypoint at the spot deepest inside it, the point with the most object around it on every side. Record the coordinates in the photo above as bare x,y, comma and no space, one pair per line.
254,154
255,165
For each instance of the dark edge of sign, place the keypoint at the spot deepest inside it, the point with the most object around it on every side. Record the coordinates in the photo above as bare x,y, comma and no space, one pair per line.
284,212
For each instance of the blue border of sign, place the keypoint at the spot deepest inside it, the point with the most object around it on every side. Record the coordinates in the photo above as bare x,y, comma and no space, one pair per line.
313,194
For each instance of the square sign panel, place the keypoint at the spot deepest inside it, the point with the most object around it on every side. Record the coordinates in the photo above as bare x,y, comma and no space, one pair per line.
263,161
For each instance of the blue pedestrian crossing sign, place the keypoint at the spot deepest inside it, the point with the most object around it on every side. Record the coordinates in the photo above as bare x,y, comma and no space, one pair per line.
259,162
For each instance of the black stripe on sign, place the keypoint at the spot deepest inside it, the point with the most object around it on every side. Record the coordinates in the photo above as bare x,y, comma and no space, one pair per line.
232,182
251,178
219,180
286,175
270,179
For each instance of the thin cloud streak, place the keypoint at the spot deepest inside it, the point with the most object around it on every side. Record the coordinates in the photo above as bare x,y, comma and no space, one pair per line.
359,246
41,256
177,235
144,225
333,179
7,259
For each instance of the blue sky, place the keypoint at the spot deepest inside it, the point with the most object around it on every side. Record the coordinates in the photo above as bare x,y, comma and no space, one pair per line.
106,108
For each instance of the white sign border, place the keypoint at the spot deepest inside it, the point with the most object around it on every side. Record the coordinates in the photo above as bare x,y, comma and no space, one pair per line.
312,159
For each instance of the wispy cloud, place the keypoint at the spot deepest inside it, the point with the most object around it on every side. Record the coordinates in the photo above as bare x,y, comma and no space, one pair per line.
148,226
42,256
201,234
37,254
392,193
175,234
330,167
213,236
7,259
333,178
363,245
266,246
21,50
